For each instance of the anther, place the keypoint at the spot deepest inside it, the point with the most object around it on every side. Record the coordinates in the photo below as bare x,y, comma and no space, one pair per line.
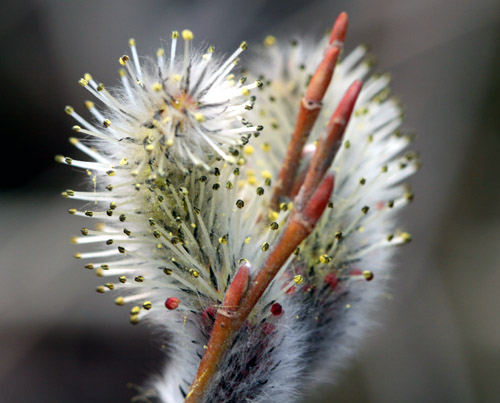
187,35
124,60
172,303
276,309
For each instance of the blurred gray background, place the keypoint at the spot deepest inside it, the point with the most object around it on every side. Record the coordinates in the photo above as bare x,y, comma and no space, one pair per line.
439,338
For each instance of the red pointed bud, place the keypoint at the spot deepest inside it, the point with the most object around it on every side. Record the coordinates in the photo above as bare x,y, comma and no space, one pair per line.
322,77
237,288
339,30
314,209
329,143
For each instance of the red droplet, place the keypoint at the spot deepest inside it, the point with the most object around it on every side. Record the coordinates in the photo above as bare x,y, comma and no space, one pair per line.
380,205
332,280
291,290
276,309
172,303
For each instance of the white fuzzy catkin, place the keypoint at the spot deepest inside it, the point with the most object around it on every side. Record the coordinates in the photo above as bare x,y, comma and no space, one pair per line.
181,184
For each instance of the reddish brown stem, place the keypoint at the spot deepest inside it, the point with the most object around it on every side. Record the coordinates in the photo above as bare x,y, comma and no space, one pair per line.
329,144
309,111
228,322
221,333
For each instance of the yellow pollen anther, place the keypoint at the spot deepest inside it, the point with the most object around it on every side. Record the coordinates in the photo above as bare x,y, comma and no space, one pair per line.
199,117
131,42
69,110
124,60
83,82
248,149
89,104
175,34
122,72
405,236
245,92
298,279
273,215
265,147
269,40
157,87
187,35
325,259
160,52
87,76
119,301
176,77
266,174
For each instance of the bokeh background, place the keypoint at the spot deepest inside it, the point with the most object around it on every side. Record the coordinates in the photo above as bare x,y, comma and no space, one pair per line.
439,338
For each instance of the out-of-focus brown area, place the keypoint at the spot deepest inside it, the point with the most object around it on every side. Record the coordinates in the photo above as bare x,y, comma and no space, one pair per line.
439,338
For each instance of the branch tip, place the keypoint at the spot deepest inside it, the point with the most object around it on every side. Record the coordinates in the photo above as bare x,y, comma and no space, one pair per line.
339,30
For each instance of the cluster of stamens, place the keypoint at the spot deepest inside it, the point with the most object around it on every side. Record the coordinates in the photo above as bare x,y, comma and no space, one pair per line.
212,225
